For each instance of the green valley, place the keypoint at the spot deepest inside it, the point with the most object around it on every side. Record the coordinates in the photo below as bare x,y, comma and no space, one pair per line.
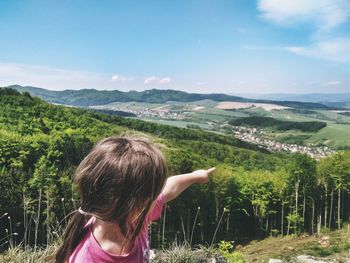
254,193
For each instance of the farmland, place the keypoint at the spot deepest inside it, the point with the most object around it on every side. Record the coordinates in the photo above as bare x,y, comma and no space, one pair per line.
214,116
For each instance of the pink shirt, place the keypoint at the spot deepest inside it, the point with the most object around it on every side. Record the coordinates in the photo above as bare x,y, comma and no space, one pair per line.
88,249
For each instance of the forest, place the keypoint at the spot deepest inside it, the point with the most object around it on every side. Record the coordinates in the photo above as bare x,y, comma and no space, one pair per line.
252,194
259,121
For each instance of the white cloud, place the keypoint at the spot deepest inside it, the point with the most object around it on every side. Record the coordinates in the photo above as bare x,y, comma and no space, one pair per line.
60,79
121,78
57,79
165,80
334,82
151,80
156,80
326,14
337,50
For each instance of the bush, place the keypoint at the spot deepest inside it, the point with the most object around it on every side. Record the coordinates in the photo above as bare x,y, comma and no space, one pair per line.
185,254
225,249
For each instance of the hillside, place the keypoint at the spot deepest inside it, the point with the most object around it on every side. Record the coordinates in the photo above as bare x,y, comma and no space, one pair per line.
42,143
250,196
89,97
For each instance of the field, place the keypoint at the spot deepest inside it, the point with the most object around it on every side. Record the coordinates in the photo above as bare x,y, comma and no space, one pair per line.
227,105
211,115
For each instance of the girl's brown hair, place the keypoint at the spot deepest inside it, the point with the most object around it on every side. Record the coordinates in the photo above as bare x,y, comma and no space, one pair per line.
118,182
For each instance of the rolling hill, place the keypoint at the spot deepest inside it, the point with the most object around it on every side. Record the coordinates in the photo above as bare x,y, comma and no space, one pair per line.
329,99
90,97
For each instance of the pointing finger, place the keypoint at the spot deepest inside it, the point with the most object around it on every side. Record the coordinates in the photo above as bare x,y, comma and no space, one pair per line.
211,170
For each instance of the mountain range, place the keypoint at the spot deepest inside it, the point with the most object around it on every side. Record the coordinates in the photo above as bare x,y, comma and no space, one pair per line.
329,99
90,97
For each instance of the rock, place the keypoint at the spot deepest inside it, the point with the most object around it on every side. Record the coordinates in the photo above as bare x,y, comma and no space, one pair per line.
273,260
324,242
309,259
305,235
217,260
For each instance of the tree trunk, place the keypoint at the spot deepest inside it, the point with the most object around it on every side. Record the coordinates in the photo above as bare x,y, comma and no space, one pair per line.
47,218
339,198
326,206
37,223
319,222
24,221
330,210
282,218
188,225
228,223
217,209
296,196
296,203
304,209
313,216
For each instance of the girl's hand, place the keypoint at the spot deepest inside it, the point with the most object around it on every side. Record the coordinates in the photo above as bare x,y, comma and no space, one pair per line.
203,175
175,185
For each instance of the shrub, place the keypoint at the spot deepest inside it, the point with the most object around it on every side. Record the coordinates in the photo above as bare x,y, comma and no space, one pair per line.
225,249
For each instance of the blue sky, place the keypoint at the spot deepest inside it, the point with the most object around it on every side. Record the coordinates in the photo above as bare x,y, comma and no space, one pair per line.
236,46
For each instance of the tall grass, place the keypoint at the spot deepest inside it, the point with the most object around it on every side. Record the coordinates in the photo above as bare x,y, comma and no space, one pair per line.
18,255
35,248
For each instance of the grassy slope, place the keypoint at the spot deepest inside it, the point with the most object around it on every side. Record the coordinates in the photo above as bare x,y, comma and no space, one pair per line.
288,247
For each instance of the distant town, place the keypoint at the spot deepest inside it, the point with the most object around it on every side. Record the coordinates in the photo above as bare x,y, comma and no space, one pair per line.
256,136
160,112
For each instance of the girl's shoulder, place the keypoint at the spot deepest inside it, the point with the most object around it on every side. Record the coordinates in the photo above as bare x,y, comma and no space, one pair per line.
157,209
90,250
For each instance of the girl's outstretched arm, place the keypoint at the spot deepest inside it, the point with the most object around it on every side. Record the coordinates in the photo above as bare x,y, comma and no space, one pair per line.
175,185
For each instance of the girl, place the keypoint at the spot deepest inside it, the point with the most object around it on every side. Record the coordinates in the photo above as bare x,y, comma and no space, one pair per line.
123,187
